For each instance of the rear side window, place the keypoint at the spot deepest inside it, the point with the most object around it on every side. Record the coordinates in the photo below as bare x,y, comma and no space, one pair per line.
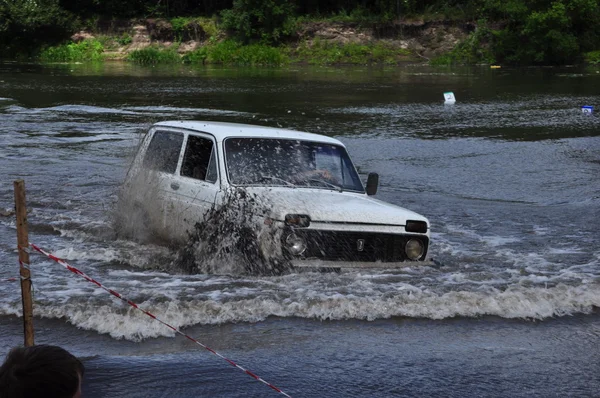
199,161
163,151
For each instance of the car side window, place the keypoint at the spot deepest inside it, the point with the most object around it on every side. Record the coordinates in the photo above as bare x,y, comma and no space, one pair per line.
163,152
199,160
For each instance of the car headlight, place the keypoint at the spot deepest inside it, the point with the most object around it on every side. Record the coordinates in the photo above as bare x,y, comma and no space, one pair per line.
295,244
414,249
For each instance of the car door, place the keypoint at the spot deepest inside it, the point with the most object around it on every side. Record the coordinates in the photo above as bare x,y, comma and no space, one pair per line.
154,185
196,184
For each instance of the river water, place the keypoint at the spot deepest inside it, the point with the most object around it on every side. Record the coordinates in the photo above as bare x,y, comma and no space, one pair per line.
509,177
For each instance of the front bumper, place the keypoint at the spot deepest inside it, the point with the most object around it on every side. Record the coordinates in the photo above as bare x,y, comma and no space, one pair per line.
359,264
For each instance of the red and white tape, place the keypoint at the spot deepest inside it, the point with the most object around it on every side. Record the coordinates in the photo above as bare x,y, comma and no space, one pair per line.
134,305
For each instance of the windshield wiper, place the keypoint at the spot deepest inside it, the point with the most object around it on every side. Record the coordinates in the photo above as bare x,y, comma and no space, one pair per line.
289,184
326,183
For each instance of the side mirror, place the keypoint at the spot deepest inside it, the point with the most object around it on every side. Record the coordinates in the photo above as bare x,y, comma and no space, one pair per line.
372,183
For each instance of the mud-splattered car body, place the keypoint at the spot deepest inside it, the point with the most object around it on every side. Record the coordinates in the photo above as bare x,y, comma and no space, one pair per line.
309,207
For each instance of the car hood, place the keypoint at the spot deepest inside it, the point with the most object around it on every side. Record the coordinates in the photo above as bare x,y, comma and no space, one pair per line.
332,206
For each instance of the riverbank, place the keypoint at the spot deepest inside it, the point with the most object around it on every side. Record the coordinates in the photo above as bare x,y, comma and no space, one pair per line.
199,40
519,33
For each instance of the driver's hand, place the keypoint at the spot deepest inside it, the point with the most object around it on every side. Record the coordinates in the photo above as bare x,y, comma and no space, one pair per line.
325,174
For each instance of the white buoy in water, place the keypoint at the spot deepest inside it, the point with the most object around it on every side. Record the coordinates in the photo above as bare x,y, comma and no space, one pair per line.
449,98
587,109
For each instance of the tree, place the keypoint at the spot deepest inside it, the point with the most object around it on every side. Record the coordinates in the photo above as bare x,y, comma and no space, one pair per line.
545,31
268,21
27,24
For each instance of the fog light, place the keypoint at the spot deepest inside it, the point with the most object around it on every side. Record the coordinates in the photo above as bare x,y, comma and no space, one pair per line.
295,244
414,249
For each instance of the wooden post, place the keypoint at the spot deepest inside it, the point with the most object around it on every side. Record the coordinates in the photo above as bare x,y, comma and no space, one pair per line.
23,243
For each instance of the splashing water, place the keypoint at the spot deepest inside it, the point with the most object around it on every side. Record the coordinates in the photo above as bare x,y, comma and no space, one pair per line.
231,238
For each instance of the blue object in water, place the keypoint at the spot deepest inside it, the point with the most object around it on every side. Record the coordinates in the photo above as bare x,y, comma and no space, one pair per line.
587,109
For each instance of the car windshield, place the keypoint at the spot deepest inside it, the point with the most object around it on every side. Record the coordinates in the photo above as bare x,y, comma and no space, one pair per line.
288,162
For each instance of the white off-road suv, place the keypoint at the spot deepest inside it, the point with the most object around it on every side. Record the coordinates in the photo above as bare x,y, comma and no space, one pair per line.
309,209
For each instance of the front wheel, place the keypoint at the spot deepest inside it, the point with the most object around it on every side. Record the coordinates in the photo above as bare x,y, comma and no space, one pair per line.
255,260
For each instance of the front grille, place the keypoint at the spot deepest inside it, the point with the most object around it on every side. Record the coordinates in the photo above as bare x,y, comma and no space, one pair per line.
344,246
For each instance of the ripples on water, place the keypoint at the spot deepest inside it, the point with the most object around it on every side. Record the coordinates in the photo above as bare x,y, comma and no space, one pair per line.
510,182
508,185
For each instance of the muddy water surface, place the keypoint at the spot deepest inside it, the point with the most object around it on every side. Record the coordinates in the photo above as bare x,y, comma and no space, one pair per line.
509,177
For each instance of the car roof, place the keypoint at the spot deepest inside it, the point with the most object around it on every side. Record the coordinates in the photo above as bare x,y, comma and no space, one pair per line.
222,130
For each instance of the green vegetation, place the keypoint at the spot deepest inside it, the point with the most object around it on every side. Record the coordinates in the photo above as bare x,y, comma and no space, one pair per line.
230,52
268,21
358,16
28,25
125,39
268,32
475,49
87,50
545,32
593,57
154,55
199,28
323,53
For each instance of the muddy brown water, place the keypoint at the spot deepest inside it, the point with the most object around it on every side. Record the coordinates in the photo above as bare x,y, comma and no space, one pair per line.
509,177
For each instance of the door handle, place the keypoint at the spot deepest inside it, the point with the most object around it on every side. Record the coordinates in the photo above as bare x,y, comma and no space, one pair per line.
175,186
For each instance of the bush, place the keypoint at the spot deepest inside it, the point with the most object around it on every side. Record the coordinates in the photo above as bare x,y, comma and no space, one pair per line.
154,55
26,25
544,32
268,21
198,56
199,28
475,49
87,50
593,57
352,53
230,52
223,53
125,39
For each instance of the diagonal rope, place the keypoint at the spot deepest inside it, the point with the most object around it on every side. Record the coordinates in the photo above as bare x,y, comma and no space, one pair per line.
134,305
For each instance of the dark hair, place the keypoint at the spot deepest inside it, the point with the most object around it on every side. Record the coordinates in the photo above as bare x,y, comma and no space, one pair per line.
40,371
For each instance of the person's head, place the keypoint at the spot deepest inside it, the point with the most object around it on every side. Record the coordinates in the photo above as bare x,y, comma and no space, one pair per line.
40,371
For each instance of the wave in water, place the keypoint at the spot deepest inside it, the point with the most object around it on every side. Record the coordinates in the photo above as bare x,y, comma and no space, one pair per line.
191,300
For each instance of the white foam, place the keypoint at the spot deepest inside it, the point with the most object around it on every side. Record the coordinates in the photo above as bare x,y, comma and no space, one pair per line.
570,250
172,109
85,109
539,230
495,241
97,254
408,301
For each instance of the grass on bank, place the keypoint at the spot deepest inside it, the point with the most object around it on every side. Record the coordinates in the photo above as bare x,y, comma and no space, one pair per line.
154,55
85,51
325,53
230,52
